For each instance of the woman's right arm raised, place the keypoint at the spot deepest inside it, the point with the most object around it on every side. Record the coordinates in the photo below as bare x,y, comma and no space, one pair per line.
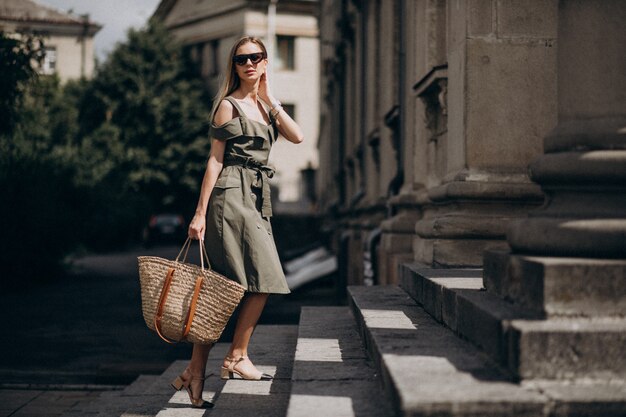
215,163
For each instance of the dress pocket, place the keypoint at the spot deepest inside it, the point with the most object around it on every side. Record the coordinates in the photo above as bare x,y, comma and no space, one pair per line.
228,180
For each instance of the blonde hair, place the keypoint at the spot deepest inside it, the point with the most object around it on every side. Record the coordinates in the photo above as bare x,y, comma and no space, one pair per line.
231,82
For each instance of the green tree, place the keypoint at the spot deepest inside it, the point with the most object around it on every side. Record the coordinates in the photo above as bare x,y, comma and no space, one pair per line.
87,162
17,54
160,113
35,210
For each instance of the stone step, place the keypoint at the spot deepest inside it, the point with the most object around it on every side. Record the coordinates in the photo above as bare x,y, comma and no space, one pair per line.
554,286
112,403
520,340
568,348
332,375
159,395
430,371
272,349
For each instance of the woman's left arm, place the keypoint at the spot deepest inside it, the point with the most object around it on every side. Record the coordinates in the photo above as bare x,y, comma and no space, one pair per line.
286,125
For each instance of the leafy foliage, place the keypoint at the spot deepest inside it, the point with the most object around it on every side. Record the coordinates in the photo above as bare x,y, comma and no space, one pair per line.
160,116
16,57
86,163
39,217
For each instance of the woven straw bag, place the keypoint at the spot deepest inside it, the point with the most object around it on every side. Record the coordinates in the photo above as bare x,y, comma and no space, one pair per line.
185,302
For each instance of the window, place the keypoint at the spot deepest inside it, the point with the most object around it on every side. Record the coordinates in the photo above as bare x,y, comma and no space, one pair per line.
215,57
285,52
49,64
207,58
290,109
192,53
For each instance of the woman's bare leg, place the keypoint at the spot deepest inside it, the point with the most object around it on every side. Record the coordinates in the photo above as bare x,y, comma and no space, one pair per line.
251,309
199,357
197,368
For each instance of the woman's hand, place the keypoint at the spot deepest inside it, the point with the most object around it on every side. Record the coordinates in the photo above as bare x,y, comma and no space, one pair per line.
264,89
197,227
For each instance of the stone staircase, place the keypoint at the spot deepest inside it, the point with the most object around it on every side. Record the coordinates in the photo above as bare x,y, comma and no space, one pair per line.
527,342
439,346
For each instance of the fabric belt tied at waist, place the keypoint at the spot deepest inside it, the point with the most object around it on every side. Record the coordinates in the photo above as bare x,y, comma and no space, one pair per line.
264,173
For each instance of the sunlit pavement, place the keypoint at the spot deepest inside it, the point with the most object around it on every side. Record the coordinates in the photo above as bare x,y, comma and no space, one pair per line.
66,342
319,368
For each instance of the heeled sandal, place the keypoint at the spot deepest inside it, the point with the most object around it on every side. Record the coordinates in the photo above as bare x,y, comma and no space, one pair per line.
230,371
181,382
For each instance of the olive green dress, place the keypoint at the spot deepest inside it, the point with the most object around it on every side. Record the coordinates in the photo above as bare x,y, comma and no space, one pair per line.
239,237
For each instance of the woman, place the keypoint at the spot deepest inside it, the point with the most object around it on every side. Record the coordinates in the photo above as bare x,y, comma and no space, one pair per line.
237,192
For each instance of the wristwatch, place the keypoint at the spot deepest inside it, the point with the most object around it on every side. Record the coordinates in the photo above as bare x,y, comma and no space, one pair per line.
275,103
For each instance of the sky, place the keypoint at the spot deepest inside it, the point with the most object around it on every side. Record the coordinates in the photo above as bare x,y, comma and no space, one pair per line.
116,17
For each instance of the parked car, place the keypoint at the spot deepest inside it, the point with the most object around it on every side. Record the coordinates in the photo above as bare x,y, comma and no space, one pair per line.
165,228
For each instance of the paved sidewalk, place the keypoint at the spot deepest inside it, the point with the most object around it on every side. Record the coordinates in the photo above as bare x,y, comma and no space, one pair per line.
84,334
87,328
42,403
271,345
272,349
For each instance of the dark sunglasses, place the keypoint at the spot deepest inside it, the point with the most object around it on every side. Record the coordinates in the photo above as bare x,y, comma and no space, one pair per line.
255,58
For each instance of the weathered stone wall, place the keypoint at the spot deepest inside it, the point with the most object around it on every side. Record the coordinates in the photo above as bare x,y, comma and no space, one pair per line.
512,143
433,111
487,108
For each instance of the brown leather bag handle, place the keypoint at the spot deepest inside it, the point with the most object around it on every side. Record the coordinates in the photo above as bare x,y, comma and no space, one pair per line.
163,298
192,308
203,255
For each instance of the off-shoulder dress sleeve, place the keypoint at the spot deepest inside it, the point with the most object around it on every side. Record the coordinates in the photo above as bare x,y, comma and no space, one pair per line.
229,130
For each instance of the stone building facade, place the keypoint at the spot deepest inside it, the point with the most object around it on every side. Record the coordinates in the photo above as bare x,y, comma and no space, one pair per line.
68,39
432,112
461,134
208,29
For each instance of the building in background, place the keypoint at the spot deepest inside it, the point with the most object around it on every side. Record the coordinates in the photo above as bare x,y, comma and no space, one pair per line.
430,122
461,134
68,39
209,28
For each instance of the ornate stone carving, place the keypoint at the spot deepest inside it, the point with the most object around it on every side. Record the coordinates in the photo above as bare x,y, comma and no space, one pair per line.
433,91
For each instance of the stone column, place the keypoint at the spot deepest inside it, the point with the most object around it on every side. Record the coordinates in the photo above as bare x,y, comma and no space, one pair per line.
398,230
583,170
568,259
558,265
485,113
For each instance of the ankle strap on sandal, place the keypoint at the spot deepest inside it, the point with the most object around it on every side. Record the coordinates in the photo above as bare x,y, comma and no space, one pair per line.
238,359
192,376
234,362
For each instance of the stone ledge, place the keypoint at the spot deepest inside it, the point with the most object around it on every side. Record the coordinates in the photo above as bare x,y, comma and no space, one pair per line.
558,286
401,223
430,371
597,167
450,226
454,253
589,134
485,191
568,348
519,340
599,238
584,398
454,298
426,368
332,374
406,199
